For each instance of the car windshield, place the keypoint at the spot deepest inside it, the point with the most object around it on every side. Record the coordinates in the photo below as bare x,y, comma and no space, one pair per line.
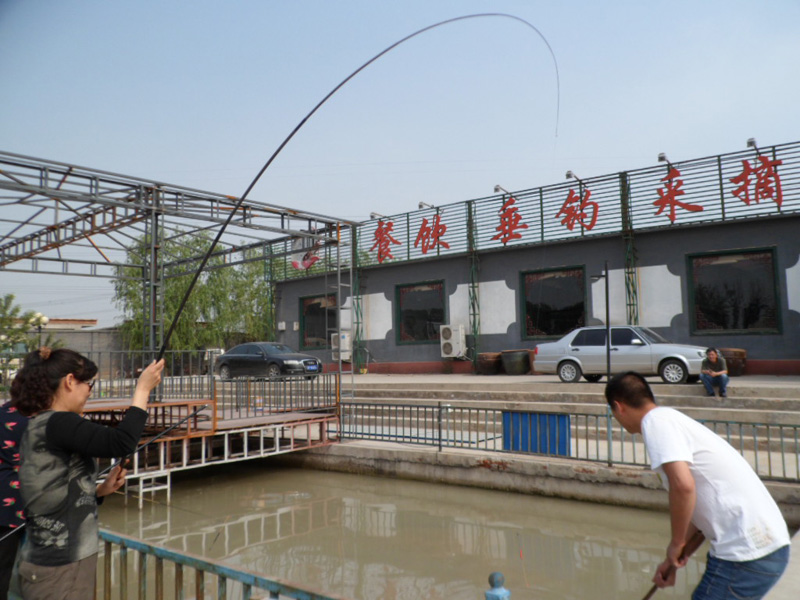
651,336
277,349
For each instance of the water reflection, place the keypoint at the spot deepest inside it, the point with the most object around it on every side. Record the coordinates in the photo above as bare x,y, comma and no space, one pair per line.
369,538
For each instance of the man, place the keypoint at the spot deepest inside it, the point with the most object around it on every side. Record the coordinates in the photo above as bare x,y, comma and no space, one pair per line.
711,488
714,372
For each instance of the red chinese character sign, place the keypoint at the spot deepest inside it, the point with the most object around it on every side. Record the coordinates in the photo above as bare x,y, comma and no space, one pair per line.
576,210
510,222
383,240
767,183
668,195
431,235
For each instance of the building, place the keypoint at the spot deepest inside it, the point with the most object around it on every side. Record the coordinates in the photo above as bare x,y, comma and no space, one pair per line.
703,251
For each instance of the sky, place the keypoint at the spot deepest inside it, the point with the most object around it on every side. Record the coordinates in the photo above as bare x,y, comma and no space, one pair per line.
200,93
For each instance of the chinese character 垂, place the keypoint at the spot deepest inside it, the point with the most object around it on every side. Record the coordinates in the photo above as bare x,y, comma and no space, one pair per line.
509,222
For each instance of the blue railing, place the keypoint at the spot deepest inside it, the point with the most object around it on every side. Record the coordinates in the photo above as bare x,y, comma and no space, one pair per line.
122,577
773,450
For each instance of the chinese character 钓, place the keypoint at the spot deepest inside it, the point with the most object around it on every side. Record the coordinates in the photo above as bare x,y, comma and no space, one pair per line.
431,235
577,214
668,195
509,222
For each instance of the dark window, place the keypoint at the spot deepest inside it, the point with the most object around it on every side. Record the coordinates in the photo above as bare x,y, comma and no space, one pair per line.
590,337
623,337
554,302
734,292
317,318
419,312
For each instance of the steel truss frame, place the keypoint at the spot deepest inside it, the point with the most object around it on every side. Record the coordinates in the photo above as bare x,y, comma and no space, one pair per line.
64,219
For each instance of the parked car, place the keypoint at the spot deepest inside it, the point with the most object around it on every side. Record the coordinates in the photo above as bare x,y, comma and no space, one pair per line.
265,359
583,352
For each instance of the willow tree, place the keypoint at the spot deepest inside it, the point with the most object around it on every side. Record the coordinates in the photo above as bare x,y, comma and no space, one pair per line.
228,304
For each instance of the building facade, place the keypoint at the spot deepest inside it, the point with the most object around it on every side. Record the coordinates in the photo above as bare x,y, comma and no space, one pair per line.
703,252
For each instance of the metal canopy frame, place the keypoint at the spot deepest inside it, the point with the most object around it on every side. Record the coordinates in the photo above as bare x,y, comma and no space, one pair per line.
62,219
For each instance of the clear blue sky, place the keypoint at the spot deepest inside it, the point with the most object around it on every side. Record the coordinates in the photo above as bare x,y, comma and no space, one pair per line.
200,94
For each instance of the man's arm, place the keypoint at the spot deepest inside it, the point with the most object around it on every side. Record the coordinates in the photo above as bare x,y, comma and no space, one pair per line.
682,500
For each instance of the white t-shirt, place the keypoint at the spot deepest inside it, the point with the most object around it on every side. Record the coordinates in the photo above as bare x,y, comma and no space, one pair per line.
734,510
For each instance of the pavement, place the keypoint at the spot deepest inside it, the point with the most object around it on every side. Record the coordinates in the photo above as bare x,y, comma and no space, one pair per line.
744,381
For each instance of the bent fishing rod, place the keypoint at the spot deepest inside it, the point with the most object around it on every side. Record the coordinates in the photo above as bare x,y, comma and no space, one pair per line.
297,128
124,458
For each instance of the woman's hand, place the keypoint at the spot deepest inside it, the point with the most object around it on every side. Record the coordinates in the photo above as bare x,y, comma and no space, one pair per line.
113,481
148,380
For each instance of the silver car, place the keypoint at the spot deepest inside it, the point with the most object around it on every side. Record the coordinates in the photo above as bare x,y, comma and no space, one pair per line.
583,352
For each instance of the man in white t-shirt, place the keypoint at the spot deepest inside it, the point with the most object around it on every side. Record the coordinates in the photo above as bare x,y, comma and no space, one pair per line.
712,489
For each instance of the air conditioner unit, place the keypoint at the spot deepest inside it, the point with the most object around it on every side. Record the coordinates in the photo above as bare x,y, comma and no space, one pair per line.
342,343
452,341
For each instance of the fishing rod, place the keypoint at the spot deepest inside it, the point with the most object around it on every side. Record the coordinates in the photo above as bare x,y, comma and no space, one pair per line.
690,548
297,128
119,462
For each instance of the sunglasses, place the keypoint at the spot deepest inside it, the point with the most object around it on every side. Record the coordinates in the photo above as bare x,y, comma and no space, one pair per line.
90,383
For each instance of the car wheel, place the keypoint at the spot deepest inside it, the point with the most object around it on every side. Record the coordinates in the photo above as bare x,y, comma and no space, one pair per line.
273,371
569,372
592,378
224,372
673,371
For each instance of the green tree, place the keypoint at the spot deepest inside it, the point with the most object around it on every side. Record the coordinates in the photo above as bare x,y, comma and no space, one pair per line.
228,304
14,324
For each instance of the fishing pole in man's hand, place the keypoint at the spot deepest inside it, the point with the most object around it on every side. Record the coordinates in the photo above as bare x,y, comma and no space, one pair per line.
690,548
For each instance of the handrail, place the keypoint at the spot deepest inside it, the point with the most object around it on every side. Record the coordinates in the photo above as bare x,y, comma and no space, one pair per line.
250,582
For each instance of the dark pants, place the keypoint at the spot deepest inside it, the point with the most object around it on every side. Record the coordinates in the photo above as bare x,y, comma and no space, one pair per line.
8,554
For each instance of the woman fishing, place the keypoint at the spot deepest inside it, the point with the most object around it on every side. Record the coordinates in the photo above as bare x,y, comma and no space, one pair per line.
58,473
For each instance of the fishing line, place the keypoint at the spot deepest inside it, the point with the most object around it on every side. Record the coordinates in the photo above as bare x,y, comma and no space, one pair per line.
311,113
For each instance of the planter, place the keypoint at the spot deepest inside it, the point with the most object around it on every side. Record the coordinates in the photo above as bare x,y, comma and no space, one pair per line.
516,362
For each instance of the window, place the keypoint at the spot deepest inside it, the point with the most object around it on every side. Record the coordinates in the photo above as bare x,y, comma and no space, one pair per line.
317,318
554,302
419,312
624,337
590,337
734,292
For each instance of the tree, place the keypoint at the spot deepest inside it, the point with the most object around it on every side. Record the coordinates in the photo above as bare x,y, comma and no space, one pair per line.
14,324
228,304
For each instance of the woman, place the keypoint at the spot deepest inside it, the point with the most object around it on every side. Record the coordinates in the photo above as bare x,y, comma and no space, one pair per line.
12,424
58,473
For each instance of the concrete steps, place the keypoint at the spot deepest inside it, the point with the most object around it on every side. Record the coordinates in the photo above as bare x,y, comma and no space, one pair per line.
748,402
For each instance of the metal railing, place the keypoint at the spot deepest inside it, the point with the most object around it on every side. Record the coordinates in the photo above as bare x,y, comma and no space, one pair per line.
772,450
257,397
157,572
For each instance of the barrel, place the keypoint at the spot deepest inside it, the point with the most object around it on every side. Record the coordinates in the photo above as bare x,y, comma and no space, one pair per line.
516,362
735,359
488,363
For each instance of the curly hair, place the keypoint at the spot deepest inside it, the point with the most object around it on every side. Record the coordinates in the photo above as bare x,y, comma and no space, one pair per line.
35,385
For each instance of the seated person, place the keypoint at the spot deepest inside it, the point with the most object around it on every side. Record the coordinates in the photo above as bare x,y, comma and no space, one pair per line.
714,373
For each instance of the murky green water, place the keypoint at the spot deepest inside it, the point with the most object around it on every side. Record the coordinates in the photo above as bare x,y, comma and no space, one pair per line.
368,538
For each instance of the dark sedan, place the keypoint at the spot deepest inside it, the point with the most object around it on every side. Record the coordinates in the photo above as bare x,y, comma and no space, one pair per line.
265,359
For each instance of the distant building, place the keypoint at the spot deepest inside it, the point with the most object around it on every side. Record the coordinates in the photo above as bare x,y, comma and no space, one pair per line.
703,251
